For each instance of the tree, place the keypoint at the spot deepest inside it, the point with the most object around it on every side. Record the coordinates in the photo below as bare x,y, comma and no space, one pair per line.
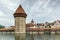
2,26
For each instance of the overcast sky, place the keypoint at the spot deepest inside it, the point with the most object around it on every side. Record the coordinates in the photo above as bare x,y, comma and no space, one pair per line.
38,10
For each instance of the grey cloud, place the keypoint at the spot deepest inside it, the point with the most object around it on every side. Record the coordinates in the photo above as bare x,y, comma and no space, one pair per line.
46,10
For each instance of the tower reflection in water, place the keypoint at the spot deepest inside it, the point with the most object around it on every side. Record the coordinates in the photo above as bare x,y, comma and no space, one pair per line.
20,37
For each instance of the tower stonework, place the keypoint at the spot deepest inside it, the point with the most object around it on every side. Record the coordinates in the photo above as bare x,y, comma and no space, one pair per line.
20,20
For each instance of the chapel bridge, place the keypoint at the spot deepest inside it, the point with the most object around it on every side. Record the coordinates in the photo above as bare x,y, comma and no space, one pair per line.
31,29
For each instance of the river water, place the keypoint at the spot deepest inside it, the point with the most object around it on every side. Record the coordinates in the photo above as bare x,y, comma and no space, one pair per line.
30,37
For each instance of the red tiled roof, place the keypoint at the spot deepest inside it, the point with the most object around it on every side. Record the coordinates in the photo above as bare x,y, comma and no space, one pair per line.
30,24
20,12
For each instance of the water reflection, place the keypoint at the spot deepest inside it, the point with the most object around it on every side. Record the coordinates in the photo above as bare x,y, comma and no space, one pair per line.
9,36
29,36
43,37
20,37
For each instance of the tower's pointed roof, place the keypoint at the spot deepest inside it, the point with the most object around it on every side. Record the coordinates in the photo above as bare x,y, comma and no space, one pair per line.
20,12
32,21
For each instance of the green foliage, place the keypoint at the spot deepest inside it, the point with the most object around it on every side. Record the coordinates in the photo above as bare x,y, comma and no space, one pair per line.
2,26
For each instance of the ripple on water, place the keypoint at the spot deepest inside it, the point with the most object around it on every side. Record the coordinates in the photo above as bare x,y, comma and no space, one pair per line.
31,37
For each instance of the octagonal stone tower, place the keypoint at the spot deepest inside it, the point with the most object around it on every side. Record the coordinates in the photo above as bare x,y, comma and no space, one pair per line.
20,20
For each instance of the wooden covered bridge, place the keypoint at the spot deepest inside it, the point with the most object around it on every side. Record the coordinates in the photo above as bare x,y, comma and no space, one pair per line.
31,29
43,29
